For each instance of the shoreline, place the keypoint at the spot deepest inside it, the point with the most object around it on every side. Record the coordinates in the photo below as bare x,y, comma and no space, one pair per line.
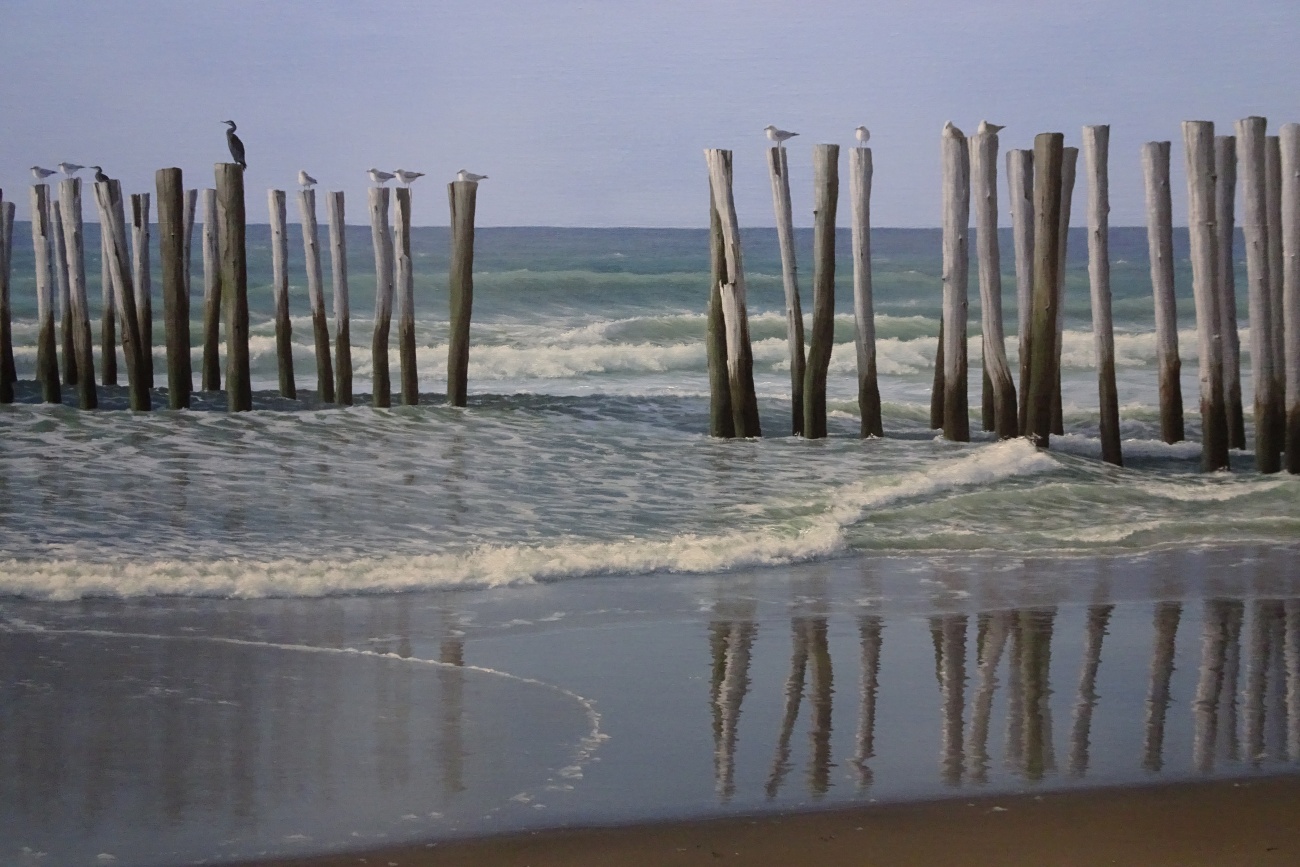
1218,822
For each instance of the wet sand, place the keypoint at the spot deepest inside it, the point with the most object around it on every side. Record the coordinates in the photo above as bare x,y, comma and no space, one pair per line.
1222,822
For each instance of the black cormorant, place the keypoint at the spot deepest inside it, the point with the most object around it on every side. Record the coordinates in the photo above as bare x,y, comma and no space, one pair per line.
236,146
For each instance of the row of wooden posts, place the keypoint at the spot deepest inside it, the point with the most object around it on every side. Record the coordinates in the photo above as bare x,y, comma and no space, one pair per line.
1041,184
57,237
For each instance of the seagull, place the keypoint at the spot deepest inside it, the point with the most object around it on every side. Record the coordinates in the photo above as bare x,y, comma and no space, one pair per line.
236,146
778,135
986,127
379,177
406,177
463,175
305,180
950,129
99,174
41,174
862,134
70,169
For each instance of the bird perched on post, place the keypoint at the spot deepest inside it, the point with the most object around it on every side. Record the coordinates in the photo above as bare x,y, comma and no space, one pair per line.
99,174
236,146
862,134
406,177
379,177
41,174
70,169
778,135
305,180
985,127
463,175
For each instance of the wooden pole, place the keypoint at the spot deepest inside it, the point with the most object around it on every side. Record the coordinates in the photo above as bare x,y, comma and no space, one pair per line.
1069,165
234,283
1020,186
405,298
1273,204
82,341
1048,158
1160,247
108,342
721,423
740,360
47,357
821,341
1225,194
8,373
383,244
68,355
936,388
143,281
176,300
191,204
1290,226
1268,405
984,173
1198,138
108,197
1096,149
864,315
211,378
280,292
956,264
778,167
316,295
461,196
339,275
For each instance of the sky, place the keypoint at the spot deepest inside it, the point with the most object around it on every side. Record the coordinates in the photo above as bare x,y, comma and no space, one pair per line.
596,112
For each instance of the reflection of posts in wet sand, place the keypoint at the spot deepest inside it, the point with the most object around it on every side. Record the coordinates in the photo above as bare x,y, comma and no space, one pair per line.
1276,740
451,746
951,664
1167,615
870,628
1235,611
1292,651
1086,701
793,697
993,639
1036,753
1263,614
732,642
1014,755
819,658
1209,685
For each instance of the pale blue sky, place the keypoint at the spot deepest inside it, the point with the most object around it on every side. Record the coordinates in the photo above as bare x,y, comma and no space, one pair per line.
591,113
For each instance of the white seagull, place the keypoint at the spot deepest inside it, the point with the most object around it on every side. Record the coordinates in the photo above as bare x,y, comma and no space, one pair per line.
379,177
862,134
406,177
463,175
70,169
41,174
305,180
778,135
986,127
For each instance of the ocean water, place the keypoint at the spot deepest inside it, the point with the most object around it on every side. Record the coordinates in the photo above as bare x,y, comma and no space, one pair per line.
584,448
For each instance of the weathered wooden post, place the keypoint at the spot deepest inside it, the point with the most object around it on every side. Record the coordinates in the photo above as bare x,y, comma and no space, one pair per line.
1160,247
112,217
383,244
1069,166
190,205
1198,138
826,194
339,276
68,355
1096,149
1273,204
740,360
864,314
8,372
280,292
721,423
234,283
984,172
405,298
778,167
936,387
176,300
1048,157
1225,195
47,358
1290,225
956,264
316,295
143,281
1020,188
461,197
82,341
211,376
1268,404
108,341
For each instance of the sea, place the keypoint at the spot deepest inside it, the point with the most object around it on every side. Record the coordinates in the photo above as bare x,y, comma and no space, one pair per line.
311,627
